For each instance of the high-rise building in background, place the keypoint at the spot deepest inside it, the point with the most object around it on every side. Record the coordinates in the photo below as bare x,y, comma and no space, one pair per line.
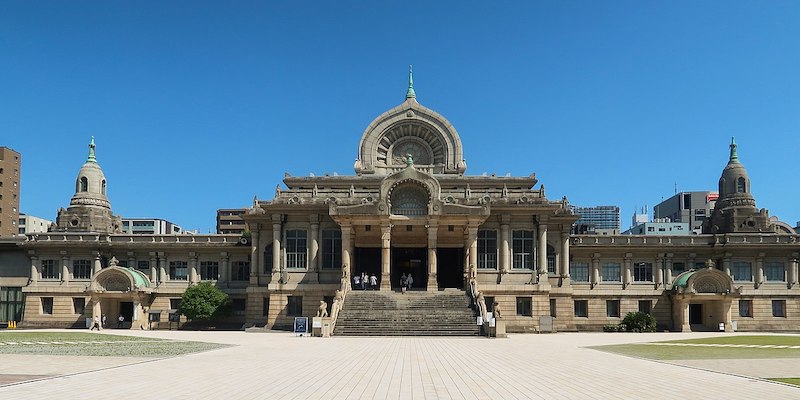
690,207
30,224
599,217
149,226
10,163
229,221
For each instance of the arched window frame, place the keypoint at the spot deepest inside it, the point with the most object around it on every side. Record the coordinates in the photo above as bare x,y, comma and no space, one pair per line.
741,185
84,184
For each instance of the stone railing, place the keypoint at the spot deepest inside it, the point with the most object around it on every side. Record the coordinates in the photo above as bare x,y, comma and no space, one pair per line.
126,238
338,300
687,240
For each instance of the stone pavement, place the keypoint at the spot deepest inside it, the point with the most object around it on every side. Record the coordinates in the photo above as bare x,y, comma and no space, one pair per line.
277,365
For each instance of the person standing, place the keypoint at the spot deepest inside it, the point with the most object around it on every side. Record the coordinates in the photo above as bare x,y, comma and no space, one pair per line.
403,283
356,281
104,321
409,281
373,281
364,281
120,320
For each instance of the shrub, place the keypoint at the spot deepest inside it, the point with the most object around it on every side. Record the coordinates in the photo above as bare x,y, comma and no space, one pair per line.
638,322
203,302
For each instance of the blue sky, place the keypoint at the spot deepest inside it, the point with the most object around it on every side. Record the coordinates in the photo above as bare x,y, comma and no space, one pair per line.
198,106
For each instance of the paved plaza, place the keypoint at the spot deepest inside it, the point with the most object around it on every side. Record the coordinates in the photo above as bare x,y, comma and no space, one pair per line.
277,365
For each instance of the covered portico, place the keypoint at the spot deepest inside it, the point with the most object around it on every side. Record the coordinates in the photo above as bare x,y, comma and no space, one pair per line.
702,300
116,291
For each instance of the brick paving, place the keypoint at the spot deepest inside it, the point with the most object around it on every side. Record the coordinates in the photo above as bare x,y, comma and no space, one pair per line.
277,365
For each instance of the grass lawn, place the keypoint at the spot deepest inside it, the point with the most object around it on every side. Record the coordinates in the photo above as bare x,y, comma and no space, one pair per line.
791,381
96,344
657,352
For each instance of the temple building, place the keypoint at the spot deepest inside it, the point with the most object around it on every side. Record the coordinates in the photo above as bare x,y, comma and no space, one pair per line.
410,208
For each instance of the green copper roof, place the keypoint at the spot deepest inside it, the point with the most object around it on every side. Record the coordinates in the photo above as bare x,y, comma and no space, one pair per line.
139,279
410,94
682,279
734,156
91,152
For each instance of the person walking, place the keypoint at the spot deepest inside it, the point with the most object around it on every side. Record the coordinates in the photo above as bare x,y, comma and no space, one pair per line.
409,281
373,281
356,281
96,324
364,281
403,283
120,320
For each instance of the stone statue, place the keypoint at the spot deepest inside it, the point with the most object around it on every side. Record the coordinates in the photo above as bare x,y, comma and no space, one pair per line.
710,263
473,272
113,262
496,310
323,309
338,296
481,305
409,159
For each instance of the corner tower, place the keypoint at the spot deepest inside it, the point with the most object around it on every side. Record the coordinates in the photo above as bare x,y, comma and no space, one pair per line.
89,210
735,210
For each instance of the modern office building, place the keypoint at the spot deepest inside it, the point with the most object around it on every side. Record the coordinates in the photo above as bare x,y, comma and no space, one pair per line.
230,221
149,226
10,167
411,208
692,208
30,224
659,226
600,217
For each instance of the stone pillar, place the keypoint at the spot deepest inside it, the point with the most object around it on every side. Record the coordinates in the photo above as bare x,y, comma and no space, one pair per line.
668,268
658,271
684,310
627,267
193,268
97,311
347,256
594,274
313,249
758,279
132,260
505,248
224,268
726,264
162,267
433,236
542,231
386,256
36,267
255,255
726,314
793,270
276,247
97,264
472,245
565,256
65,267
153,268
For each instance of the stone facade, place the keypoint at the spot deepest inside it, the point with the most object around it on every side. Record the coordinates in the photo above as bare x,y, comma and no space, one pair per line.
410,208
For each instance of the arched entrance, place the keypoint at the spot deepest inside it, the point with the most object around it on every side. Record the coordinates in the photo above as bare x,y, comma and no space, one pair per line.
120,292
702,300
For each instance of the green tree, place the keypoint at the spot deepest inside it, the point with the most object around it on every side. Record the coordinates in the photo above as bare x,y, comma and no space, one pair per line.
203,302
638,322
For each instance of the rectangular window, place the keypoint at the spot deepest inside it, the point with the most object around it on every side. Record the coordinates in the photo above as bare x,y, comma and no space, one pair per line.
489,303
582,308
240,271
524,306
331,249
265,307
143,265
746,308
209,270
487,249
551,261
742,271
78,304
82,269
239,306
294,307
522,249
643,272
268,259
296,249
579,271
677,268
174,304
645,306
610,272
774,271
612,308
553,308
178,270
47,305
11,303
779,308
49,270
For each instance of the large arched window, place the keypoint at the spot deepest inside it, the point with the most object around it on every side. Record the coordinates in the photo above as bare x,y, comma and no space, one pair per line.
84,184
740,185
409,199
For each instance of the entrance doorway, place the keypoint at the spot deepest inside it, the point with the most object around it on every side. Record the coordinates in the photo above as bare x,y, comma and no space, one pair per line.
367,259
412,261
450,267
126,310
695,314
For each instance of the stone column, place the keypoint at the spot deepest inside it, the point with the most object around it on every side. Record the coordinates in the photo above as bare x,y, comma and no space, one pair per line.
132,260
472,245
386,256
347,239
65,267
162,267
658,271
684,310
193,268
224,268
97,311
313,249
276,247
505,248
627,267
433,233
36,267
565,256
542,231
758,279
255,255
594,274
793,270
726,264
726,314
153,268
668,268
97,264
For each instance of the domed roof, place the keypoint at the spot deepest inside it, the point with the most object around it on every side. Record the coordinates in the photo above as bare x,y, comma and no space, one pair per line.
410,129
90,186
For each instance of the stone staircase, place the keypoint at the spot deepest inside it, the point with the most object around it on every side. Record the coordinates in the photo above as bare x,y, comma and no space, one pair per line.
415,313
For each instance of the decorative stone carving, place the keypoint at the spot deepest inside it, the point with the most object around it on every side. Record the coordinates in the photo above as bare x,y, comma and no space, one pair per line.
322,311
